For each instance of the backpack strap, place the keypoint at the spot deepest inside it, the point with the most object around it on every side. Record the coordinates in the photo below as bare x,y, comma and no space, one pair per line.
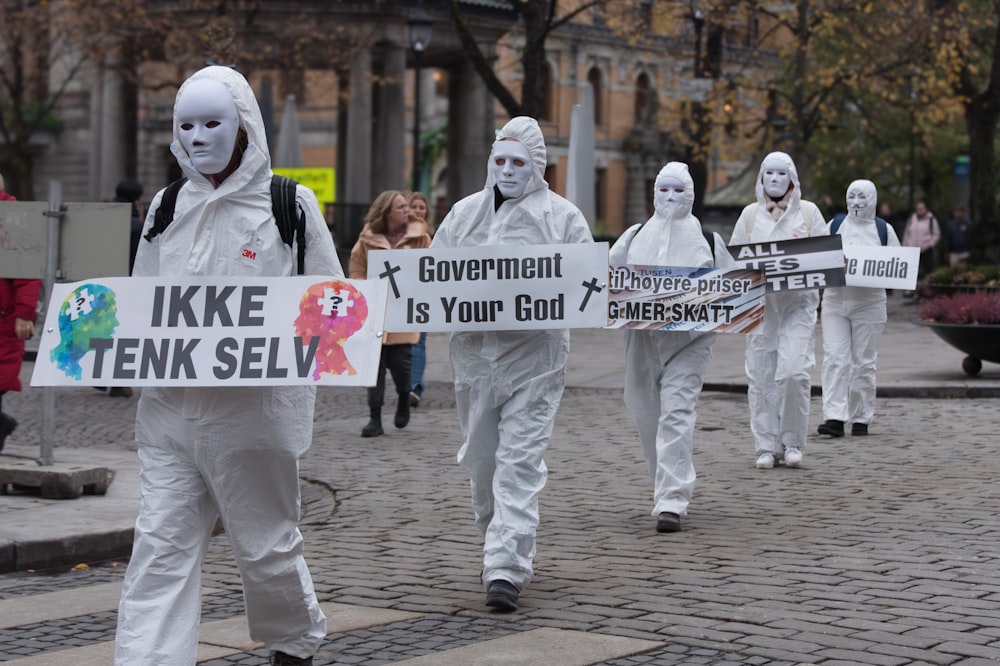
165,213
289,217
883,232
835,225
710,238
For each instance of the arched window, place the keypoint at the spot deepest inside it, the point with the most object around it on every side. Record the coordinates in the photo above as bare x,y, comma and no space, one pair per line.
596,81
645,105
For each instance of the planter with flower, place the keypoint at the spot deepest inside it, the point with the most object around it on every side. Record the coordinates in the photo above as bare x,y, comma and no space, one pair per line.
960,279
969,321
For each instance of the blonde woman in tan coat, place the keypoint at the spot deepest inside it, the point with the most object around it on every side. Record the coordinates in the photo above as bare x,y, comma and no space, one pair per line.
388,227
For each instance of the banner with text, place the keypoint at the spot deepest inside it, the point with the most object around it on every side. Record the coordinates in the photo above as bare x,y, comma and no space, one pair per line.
885,267
797,263
494,288
211,331
685,299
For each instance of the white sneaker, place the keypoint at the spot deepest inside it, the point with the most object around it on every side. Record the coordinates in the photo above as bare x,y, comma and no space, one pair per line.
793,457
765,460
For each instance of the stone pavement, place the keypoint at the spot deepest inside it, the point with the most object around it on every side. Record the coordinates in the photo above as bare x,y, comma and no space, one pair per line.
878,552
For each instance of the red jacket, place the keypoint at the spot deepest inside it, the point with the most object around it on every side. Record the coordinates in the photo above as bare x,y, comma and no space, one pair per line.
18,299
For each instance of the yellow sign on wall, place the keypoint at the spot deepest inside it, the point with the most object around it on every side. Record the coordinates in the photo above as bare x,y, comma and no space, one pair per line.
321,180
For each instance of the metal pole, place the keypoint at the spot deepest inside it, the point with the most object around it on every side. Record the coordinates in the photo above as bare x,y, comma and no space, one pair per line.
55,214
417,58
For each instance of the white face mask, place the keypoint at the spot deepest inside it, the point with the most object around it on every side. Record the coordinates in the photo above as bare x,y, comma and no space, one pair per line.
208,123
861,199
776,180
668,196
511,168
856,200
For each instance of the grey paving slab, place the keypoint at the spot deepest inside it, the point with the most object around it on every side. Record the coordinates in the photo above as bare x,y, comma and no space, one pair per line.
539,646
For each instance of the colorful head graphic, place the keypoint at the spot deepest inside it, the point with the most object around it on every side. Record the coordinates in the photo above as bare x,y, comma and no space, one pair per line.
89,312
331,311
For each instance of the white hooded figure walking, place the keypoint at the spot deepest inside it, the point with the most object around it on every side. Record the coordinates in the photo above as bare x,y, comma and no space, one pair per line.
780,353
665,370
852,320
222,452
508,384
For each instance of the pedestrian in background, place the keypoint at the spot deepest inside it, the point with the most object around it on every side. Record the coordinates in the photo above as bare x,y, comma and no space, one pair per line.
958,237
18,306
664,370
780,353
924,232
853,319
419,213
388,226
508,384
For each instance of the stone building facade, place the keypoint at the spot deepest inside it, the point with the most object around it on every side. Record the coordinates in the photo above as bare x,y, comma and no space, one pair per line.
356,109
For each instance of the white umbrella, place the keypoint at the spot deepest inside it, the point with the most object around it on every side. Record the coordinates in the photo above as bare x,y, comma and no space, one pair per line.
289,150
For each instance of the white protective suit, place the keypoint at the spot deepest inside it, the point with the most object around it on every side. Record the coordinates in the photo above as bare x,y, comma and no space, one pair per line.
781,351
222,452
853,319
508,384
664,370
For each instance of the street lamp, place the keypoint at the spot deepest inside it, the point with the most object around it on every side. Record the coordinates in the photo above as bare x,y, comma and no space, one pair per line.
698,17
420,27
696,157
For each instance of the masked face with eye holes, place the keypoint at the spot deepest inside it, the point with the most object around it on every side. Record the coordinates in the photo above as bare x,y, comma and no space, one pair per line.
208,123
776,179
510,167
673,191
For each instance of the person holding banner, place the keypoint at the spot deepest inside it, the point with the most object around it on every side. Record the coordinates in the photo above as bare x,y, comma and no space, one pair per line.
388,227
508,384
233,452
664,370
852,320
780,353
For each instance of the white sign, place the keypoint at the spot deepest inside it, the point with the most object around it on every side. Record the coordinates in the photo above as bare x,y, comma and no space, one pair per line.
494,288
685,299
211,331
885,267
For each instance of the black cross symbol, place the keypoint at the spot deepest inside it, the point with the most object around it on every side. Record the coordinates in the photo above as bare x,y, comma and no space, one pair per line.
591,288
389,270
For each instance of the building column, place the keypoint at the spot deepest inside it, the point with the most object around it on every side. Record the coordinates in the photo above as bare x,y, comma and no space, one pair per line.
389,149
355,170
470,131
107,157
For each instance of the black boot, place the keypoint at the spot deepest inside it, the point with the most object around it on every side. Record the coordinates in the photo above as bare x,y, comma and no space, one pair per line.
831,427
7,425
374,427
402,411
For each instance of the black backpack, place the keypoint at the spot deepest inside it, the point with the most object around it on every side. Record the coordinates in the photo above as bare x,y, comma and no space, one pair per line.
288,215
883,232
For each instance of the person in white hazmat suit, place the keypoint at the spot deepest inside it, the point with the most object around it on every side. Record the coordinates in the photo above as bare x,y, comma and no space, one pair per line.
222,452
665,370
852,320
508,384
780,353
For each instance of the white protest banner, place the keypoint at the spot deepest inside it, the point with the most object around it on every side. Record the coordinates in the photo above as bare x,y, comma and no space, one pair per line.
494,288
211,331
671,298
797,263
885,267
